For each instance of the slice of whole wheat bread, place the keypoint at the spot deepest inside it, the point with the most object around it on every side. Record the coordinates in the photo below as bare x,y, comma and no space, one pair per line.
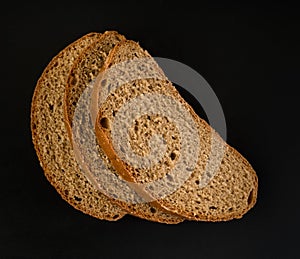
212,191
51,140
94,161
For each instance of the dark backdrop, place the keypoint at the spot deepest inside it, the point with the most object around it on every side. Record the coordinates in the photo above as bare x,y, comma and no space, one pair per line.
249,54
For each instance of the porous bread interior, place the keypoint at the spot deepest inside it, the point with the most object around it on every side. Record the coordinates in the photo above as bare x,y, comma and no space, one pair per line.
83,73
92,58
230,193
52,142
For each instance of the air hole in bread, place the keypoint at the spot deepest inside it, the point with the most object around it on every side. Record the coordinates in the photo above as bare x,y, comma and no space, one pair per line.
114,113
250,197
108,88
197,182
122,149
170,178
115,216
51,107
73,82
212,208
104,122
34,126
94,72
173,156
77,198
230,209
152,210
103,82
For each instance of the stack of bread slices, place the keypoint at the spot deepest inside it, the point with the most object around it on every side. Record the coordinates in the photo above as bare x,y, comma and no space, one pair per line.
78,124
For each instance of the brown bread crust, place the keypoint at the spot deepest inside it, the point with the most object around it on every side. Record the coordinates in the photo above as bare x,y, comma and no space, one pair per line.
68,182
85,69
240,201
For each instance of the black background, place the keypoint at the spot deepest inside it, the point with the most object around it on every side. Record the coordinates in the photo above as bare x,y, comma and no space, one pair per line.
248,53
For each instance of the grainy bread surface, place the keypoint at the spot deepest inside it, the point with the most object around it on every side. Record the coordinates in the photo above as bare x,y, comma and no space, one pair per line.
52,142
230,193
86,69
80,123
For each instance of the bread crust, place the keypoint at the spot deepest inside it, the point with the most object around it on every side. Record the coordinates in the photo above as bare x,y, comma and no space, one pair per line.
139,210
116,212
125,171
119,208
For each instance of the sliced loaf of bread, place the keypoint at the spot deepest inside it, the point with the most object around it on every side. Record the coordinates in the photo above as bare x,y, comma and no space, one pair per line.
195,174
51,140
94,162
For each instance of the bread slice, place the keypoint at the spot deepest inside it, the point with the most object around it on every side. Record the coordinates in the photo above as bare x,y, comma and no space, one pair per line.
197,175
93,160
51,140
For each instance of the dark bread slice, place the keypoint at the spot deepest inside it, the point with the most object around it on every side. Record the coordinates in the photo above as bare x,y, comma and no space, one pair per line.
92,58
94,159
51,140
205,195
